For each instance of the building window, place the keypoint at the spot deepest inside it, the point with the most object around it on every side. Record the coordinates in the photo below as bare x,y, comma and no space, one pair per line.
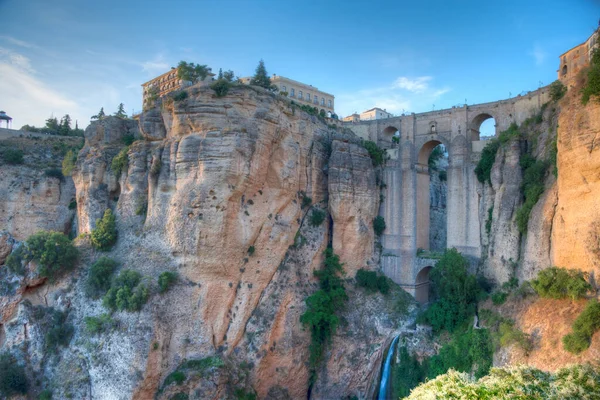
322,101
432,128
316,100
329,103
292,92
300,94
307,96
283,89
564,70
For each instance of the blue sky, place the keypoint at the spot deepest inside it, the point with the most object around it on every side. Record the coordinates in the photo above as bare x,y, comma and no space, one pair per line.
75,56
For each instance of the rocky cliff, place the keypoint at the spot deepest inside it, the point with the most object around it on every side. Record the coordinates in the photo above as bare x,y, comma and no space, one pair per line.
220,190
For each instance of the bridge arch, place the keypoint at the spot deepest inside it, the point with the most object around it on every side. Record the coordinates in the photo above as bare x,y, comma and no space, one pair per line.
476,125
422,285
423,192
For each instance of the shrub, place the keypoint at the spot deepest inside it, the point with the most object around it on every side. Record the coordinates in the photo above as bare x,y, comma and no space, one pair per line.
181,95
13,156
557,90
54,173
379,225
377,155
320,316
317,217
53,252
532,188
101,324
14,261
488,221
128,139
68,163
142,208
176,377
12,376
180,396
59,331
592,86
72,204
560,283
98,280
483,169
221,87
306,201
126,292
251,250
104,236
499,298
45,395
443,175
584,327
371,281
120,161
165,280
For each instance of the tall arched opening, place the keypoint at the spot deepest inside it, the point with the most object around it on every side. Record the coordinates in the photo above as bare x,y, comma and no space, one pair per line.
390,132
484,125
431,180
422,285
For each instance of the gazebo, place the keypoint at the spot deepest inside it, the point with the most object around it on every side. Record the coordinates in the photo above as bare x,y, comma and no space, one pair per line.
4,117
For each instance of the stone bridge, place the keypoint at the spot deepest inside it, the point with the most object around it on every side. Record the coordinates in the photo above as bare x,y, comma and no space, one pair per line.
406,175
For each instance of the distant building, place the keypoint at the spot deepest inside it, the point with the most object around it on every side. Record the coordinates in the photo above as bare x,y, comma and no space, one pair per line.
164,84
302,93
352,118
374,113
578,57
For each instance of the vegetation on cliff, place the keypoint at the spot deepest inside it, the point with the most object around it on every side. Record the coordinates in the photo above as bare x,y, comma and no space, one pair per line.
584,327
574,382
127,292
320,316
561,283
12,376
592,84
104,236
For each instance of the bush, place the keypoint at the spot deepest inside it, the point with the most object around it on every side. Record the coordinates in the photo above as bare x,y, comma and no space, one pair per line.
120,161
14,261
584,327
54,173
176,377
59,331
98,280
371,281
483,169
45,395
532,187
126,292
306,201
592,86
499,298
221,87
142,208
488,221
379,225
101,324
53,252
181,95
320,316
443,175
377,155
560,283
104,236
13,156
12,376
251,250
317,217
455,290
557,90
128,139
68,163
165,280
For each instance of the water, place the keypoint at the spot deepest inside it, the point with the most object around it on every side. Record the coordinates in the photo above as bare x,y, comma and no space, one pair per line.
386,372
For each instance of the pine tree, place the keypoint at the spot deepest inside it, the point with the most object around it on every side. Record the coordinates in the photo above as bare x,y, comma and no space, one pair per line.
121,111
220,76
228,75
65,125
100,114
52,126
261,78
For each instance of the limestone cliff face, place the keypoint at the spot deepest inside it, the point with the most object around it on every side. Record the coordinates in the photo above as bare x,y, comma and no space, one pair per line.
213,178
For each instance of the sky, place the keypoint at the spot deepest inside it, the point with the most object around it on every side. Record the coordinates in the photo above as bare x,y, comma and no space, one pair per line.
72,57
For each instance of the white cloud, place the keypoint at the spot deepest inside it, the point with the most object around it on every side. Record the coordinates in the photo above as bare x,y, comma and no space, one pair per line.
156,66
15,59
18,42
403,95
538,54
31,101
416,85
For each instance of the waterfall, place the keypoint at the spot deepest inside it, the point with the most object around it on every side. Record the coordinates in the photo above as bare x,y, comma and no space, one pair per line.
386,372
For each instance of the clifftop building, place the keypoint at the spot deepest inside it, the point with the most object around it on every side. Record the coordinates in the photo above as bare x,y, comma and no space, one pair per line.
576,58
164,84
371,114
302,93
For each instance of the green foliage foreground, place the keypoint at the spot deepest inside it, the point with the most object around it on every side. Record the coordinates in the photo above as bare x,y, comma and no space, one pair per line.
574,382
127,292
104,235
584,327
561,283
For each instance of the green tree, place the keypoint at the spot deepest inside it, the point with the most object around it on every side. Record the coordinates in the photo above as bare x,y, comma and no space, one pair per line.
68,162
192,72
121,111
260,77
229,76
455,290
379,225
165,280
65,126
12,376
561,283
100,116
592,86
557,90
13,156
52,126
98,280
127,292
104,236
53,251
